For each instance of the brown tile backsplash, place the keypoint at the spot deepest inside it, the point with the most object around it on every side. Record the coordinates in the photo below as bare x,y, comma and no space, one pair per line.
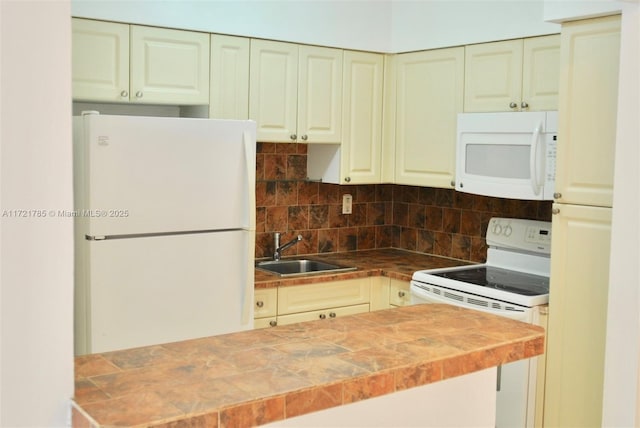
428,220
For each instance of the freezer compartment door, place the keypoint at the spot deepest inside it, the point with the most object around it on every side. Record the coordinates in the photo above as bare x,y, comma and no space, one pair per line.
151,290
142,175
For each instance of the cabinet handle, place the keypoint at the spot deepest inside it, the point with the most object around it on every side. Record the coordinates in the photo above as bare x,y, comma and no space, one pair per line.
513,105
555,211
293,136
304,137
259,303
124,94
524,105
401,293
453,183
347,179
322,316
332,314
557,195
273,323
139,94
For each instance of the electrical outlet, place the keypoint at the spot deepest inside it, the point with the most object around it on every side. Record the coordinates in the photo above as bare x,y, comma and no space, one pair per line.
347,204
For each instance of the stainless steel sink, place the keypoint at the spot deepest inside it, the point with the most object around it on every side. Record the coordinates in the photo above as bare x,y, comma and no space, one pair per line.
300,267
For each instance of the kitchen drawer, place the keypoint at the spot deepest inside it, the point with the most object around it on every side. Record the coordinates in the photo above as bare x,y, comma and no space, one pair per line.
322,314
265,322
311,297
265,302
399,294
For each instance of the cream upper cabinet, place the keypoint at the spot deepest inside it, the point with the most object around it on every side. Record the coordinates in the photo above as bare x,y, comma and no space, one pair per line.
361,150
588,110
169,66
512,75
295,92
229,84
576,337
100,52
130,63
429,96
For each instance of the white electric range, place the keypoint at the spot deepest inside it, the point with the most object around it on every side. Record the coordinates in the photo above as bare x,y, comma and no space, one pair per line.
514,283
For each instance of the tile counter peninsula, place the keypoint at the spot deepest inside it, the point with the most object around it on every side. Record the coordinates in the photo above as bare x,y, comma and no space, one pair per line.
350,370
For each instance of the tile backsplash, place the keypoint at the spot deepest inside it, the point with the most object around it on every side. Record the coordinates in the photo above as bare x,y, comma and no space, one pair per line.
428,220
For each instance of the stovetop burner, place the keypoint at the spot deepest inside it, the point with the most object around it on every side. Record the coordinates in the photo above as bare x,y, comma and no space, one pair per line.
500,279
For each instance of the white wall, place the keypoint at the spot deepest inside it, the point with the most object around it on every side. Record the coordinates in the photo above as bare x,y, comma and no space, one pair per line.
36,267
623,324
354,24
432,24
381,26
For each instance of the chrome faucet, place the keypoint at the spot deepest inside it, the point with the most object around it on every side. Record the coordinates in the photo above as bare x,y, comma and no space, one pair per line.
278,248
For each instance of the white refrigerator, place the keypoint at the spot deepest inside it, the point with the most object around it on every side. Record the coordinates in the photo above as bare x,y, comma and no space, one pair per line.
165,229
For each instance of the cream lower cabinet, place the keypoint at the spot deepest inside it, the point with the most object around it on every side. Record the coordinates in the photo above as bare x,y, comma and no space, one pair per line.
115,62
295,92
588,111
358,159
399,294
512,75
265,307
429,96
580,248
324,300
229,83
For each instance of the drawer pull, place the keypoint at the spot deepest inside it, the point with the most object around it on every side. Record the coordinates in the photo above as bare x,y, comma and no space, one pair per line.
332,314
259,303
401,293
273,323
322,316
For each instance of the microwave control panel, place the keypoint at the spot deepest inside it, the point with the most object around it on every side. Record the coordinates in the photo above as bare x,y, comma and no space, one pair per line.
520,234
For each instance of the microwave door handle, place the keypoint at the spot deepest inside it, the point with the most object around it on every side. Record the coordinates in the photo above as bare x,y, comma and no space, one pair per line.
533,160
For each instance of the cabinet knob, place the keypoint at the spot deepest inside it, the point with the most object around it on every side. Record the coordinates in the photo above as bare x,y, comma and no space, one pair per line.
332,314
524,105
293,136
555,211
304,137
139,94
513,105
273,323
557,195
347,179
401,293
124,94
259,303
322,316
453,183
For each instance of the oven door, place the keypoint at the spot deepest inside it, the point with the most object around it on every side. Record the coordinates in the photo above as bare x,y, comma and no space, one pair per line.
516,385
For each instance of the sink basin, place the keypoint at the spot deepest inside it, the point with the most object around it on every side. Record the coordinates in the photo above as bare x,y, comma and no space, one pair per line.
300,267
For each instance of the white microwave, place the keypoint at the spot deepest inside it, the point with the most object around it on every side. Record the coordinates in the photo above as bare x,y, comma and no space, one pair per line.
507,155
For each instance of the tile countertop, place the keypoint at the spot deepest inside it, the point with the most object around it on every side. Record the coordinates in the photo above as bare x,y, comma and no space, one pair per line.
260,376
393,263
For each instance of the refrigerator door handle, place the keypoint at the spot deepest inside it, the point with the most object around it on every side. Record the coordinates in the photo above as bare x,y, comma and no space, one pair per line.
249,157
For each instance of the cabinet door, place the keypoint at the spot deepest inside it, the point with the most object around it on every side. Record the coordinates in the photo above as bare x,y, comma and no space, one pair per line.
429,97
399,294
305,298
590,56
577,316
540,73
273,92
361,151
229,84
322,314
169,66
493,76
265,302
319,95
100,60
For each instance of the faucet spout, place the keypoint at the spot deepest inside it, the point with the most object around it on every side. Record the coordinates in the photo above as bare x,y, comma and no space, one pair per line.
280,248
